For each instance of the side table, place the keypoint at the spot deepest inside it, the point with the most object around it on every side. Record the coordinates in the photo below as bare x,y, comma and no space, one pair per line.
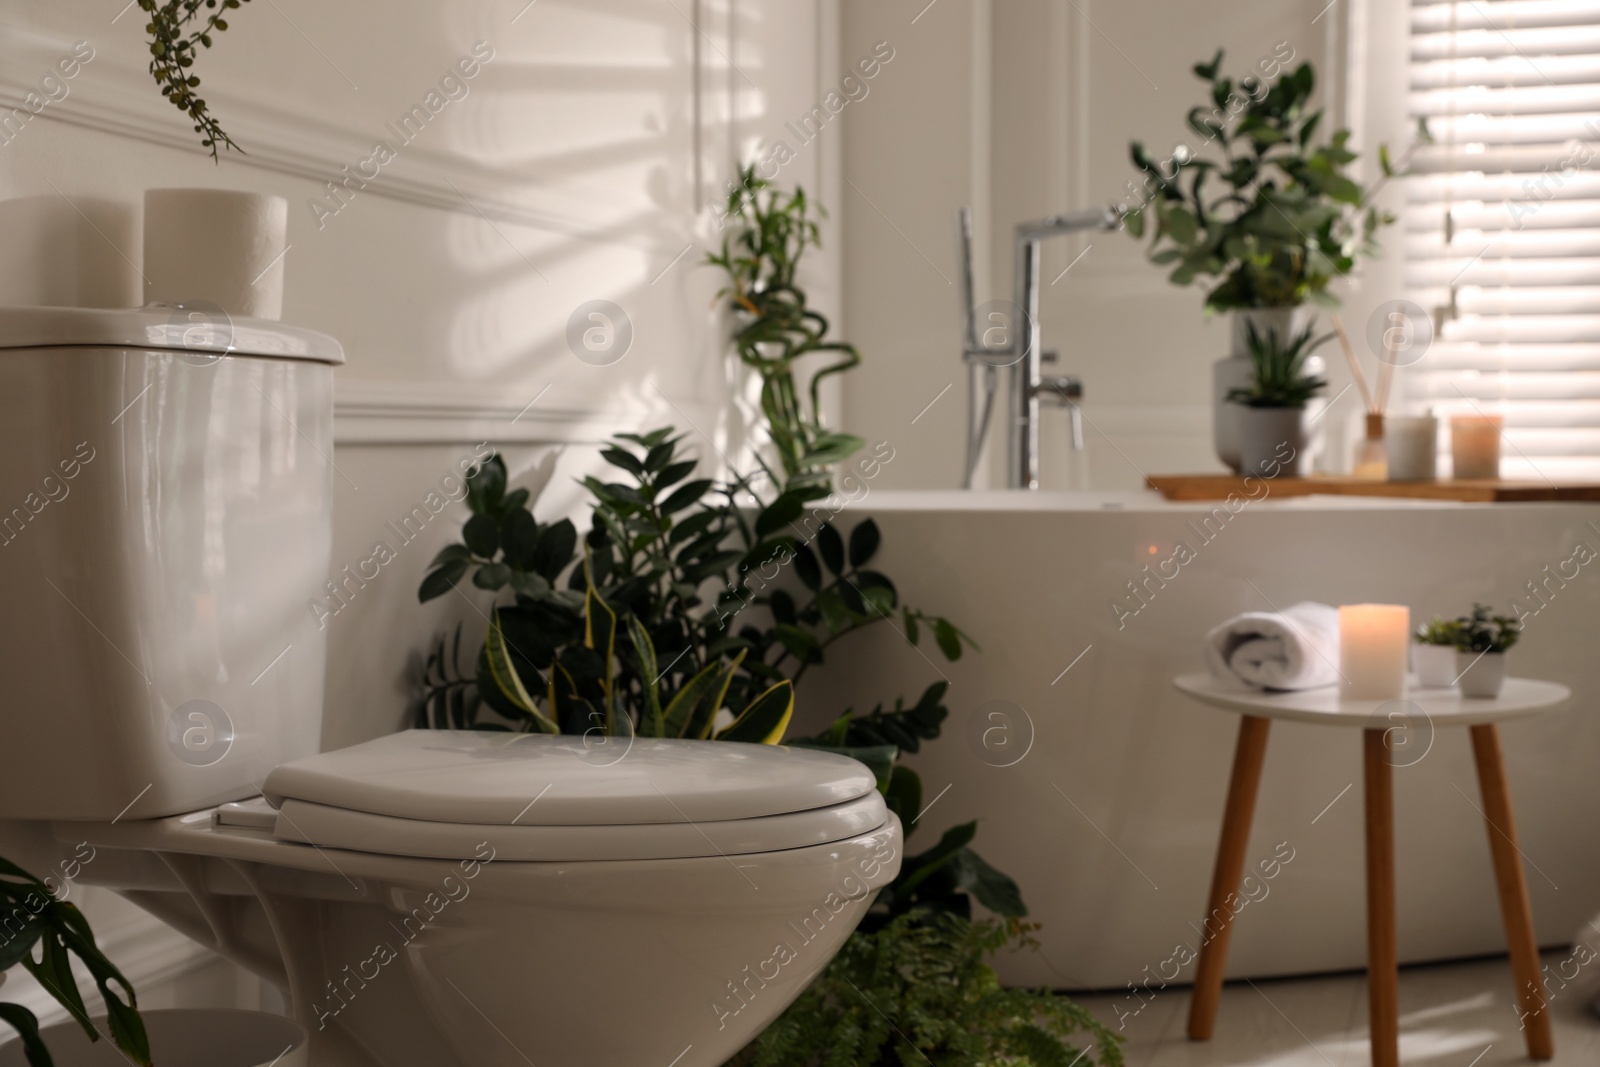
1520,698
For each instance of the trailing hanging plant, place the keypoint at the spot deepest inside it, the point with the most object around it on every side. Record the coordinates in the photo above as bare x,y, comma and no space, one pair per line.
1287,219
178,29
33,920
919,991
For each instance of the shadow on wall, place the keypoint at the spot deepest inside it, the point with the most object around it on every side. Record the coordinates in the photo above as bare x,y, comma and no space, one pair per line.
62,253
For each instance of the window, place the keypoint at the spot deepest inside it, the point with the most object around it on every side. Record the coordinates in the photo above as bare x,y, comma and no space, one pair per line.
1502,222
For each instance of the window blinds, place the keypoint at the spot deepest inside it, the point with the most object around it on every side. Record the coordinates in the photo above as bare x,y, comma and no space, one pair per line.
1502,223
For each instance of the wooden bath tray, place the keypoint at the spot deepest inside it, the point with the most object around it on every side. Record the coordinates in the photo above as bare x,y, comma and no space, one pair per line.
1218,486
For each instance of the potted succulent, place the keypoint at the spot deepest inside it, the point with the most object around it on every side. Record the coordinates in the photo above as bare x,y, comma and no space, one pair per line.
1270,412
1433,653
1279,222
1482,641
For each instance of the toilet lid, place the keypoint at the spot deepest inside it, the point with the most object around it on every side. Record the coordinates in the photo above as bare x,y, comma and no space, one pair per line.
360,831
529,780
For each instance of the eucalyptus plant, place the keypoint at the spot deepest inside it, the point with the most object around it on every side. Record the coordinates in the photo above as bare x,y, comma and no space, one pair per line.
1278,377
33,920
178,30
1283,221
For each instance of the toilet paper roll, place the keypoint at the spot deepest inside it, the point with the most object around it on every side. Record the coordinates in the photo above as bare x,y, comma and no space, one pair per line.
216,246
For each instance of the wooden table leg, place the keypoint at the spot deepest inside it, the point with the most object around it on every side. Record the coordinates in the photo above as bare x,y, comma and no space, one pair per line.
1383,966
1513,887
1248,756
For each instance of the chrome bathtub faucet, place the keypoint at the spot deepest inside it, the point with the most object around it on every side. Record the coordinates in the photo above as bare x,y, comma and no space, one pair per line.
1019,349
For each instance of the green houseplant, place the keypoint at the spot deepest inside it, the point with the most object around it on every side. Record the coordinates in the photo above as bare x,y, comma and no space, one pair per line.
686,613
1482,641
1262,214
1271,410
178,30
1433,653
33,920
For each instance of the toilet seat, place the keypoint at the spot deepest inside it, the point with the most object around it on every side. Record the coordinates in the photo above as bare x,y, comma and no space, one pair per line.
444,795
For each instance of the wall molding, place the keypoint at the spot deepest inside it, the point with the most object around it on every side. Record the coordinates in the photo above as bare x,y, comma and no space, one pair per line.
367,412
112,95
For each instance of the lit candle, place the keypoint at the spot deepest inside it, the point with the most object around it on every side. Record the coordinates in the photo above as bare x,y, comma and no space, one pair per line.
1475,445
1373,640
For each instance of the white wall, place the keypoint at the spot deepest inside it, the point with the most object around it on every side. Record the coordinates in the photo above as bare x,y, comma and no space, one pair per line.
581,166
1024,108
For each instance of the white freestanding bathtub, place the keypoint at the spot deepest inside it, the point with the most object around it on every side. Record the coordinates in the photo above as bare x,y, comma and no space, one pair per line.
1110,819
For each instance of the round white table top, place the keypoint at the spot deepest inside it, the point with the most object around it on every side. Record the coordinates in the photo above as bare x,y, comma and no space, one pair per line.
1520,698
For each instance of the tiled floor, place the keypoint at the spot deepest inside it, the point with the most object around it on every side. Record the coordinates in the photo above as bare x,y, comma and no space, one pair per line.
1453,1015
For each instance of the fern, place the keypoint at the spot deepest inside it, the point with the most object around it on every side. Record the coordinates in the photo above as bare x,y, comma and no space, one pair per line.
917,991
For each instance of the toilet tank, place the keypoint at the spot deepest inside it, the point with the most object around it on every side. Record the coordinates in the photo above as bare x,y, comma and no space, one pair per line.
166,501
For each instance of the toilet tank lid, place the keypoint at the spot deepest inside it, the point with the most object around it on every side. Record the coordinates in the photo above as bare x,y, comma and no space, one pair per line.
165,328
540,780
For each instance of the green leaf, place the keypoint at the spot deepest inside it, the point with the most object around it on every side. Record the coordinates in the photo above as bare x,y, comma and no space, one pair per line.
675,473
916,869
486,485
507,680
26,1024
644,650
482,535
619,457
492,576
765,719
451,552
904,796
948,638
519,534
439,582
781,512
864,541
690,712
684,495
836,614
831,547
993,890
659,456
802,643
831,448
554,549
807,567
1181,225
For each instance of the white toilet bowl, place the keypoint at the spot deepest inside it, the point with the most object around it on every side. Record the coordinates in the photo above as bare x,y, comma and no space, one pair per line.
480,899
428,898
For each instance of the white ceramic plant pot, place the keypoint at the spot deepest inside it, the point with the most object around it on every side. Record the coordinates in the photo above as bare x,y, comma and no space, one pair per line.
1482,675
1435,665
1272,441
1234,372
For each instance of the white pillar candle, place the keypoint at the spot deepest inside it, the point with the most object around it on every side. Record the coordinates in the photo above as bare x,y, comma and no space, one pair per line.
1412,444
1373,641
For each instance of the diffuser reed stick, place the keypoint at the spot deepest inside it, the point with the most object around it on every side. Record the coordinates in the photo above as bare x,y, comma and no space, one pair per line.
1355,366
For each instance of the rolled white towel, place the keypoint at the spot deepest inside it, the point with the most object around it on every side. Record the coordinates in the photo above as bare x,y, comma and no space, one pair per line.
1297,648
